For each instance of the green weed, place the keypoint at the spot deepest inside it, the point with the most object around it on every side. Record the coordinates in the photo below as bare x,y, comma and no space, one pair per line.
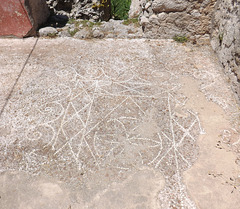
220,37
52,35
120,9
131,21
73,32
180,38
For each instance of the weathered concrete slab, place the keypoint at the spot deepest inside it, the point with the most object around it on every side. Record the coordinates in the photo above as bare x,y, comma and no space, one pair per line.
22,18
121,124
13,54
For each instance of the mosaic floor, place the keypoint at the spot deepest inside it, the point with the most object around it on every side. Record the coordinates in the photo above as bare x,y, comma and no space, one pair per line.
82,108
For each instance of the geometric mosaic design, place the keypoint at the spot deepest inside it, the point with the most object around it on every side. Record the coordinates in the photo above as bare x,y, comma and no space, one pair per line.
72,121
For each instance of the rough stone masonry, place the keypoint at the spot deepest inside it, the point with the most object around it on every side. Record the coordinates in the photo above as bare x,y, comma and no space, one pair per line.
199,20
84,9
164,18
225,38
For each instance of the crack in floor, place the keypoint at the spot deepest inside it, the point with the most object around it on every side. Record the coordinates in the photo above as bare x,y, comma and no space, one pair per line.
15,83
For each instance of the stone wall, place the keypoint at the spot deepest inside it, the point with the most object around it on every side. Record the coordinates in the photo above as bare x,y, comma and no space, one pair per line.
225,38
135,8
167,18
84,9
199,20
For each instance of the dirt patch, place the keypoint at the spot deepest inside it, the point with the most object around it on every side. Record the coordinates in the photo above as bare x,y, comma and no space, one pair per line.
212,180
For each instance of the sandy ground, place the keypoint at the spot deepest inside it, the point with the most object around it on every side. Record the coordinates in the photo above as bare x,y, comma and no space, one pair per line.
116,124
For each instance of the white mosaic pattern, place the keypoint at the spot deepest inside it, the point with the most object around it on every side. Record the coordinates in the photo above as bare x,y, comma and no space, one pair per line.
91,116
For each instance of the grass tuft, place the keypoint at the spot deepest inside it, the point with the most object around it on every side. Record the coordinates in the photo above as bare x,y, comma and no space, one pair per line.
180,38
73,32
131,21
